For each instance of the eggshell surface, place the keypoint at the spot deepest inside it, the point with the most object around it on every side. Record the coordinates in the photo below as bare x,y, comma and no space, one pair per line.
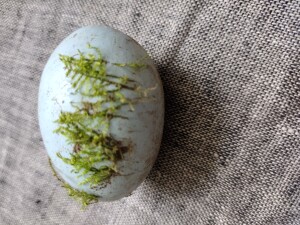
141,131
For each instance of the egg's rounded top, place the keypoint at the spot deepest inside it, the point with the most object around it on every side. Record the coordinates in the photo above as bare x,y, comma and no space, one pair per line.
101,112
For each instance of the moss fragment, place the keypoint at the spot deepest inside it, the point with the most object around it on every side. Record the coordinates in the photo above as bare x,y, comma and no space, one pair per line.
95,150
84,198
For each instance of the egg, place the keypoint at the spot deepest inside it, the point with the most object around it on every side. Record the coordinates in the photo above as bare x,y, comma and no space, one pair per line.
101,113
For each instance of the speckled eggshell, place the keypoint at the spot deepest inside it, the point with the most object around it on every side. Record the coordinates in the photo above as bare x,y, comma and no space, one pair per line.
142,131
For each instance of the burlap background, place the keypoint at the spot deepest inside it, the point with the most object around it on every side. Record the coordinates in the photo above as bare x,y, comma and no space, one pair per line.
230,152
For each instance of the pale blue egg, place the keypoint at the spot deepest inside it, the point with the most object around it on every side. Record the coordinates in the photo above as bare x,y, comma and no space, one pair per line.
141,132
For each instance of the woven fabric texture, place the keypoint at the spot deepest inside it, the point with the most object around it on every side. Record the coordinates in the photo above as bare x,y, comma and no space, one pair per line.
230,152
